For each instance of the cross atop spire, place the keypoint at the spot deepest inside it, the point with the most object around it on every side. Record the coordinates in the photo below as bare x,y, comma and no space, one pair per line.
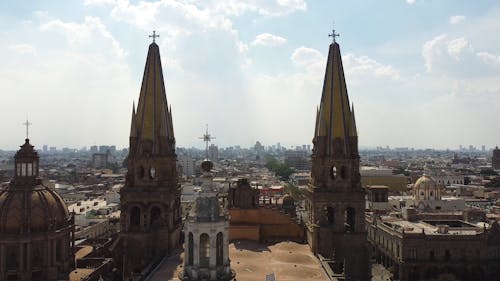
333,35
154,36
27,124
207,138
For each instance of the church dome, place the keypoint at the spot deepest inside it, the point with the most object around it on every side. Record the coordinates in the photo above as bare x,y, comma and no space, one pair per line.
37,209
425,182
26,205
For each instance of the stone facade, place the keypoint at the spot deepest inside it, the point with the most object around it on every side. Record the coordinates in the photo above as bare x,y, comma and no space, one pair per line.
336,200
150,200
425,249
242,195
36,229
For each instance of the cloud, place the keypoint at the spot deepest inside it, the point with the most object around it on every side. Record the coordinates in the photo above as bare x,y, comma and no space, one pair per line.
268,40
99,2
411,2
457,19
457,58
362,65
79,34
23,49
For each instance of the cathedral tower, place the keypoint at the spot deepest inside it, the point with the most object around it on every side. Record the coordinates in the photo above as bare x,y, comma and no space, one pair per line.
150,200
336,200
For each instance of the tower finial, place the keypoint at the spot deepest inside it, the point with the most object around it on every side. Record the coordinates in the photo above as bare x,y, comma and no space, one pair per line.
333,35
207,138
154,36
27,124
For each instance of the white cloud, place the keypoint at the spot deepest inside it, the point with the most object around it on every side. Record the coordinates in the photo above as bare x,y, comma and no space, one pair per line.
457,47
358,66
457,19
411,2
293,4
304,56
23,49
99,2
489,58
268,40
83,33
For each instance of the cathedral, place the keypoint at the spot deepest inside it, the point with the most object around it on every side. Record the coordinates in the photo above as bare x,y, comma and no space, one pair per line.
36,229
150,200
335,198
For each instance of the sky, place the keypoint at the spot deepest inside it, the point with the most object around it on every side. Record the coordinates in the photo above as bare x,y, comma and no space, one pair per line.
420,73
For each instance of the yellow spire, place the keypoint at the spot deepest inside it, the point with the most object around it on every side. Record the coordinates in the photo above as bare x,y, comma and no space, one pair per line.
353,131
153,118
133,123
334,113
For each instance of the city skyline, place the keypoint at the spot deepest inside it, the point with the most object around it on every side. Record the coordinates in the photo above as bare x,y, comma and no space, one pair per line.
252,71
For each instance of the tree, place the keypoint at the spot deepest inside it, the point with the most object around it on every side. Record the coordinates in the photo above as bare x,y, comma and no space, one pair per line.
281,170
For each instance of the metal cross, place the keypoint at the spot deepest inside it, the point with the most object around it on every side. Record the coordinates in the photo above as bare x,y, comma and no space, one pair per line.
154,36
333,35
27,124
207,138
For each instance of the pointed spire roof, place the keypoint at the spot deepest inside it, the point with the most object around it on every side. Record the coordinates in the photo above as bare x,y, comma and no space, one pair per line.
133,124
334,116
353,130
153,119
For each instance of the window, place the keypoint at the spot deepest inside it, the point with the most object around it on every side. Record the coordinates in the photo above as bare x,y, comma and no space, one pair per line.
220,249
190,249
330,214
349,219
23,169
29,170
334,172
135,216
152,172
204,250
154,217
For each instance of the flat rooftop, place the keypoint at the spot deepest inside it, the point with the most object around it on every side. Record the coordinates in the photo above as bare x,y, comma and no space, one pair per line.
252,261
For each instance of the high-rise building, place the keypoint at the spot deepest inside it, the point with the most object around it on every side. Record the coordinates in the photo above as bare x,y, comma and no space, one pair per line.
495,160
150,200
335,198
36,229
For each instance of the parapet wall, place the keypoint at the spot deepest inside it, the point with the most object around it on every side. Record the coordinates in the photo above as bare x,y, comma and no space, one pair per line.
263,224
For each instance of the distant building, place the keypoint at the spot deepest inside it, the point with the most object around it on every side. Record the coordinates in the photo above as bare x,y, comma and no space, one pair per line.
186,165
425,249
298,159
377,197
495,160
213,153
383,176
100,160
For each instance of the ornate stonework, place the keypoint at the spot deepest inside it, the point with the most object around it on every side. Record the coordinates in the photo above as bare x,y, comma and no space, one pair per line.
206,255
336,200
36,230
150,200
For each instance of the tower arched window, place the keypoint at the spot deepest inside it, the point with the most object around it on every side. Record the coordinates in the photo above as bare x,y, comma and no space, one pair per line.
135,216
330,215
220,249
349,219
334,172
154,217
204,250
343,172
190,248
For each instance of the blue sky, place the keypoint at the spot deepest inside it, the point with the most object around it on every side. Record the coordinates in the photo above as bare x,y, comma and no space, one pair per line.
421,73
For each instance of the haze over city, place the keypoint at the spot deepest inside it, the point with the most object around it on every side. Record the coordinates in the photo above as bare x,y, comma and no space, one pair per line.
420,73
